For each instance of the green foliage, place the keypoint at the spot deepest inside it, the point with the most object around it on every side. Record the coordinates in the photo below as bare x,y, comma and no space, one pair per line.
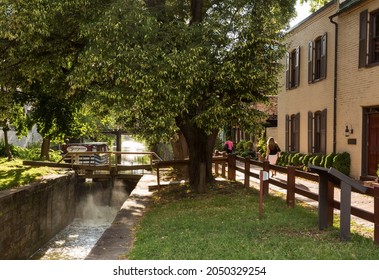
341,162
29,153
244,148
306,159
283,160
296,159
316,160
262,146
156,67
240,146
315,4
162,74
329,160
219,145
38,57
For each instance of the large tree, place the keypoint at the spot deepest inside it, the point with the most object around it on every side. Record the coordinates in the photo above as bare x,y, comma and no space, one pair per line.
40,41
194,66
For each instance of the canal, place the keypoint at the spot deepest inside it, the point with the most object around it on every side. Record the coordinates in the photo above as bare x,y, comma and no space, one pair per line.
94,214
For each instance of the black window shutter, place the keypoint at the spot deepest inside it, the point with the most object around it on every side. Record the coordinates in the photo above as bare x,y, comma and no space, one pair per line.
288,75
297,67
310,132
287,136
297,143
323,56
363,38
323,131
310,62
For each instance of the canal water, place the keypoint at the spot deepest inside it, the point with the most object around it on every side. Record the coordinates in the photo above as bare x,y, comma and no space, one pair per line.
77,239
92,219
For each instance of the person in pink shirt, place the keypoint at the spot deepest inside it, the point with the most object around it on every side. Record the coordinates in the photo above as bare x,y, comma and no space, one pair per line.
228,146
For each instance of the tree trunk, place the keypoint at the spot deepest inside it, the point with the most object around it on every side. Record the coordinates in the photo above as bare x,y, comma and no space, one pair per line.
180,151
197,11
180,147
200,147
7,148
45,148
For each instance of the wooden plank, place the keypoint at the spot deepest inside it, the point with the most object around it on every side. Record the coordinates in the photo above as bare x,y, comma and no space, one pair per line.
46,163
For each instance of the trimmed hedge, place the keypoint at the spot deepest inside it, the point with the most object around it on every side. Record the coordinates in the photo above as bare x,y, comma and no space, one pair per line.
339,161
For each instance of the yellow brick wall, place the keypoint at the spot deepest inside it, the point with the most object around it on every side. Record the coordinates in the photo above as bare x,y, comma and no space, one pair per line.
309,97
357,87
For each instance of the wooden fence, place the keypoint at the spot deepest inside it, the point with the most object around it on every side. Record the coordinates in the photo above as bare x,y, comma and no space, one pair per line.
227,166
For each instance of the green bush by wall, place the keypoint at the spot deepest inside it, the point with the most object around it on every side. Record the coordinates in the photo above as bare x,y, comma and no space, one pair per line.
340,161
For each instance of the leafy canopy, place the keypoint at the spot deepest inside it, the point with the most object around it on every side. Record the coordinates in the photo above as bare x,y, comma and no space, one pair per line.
159,68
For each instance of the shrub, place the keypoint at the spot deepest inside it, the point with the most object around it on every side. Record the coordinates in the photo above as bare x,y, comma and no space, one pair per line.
316,160
329,160
283,159
295,159
341,162
262,146
248,146
244,148
322,162
29,153
239,146
306,159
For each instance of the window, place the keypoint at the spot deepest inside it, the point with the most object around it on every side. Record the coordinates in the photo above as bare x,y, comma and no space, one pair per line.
317,59
293,68
317,132
293,133
368,38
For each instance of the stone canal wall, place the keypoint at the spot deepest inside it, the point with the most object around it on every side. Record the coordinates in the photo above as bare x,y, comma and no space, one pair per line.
31,215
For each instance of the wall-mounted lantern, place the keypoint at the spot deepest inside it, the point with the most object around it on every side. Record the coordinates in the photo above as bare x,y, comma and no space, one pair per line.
348,130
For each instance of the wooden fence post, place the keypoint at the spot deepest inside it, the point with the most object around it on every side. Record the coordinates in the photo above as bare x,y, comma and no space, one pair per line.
330,210
158,180
216,168
247,171
376,215
266,167
291,177
223,171
232,167
216,163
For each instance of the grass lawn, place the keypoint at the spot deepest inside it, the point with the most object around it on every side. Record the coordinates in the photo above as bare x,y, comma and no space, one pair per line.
223,224
14,173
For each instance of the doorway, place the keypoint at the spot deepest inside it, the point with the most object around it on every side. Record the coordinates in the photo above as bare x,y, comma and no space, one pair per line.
373,143
371,137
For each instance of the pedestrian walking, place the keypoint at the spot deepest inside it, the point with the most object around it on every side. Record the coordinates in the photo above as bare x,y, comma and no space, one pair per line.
272,153
228,146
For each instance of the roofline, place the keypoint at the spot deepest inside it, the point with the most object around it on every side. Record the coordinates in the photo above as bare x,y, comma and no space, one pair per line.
343,7
331,3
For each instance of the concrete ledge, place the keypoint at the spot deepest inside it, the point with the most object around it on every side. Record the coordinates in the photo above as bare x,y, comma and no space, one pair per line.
117,240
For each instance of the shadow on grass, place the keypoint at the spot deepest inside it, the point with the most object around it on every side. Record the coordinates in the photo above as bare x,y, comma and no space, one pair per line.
18,176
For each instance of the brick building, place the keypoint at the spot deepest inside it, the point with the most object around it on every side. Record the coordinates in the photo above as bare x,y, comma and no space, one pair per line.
329,97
